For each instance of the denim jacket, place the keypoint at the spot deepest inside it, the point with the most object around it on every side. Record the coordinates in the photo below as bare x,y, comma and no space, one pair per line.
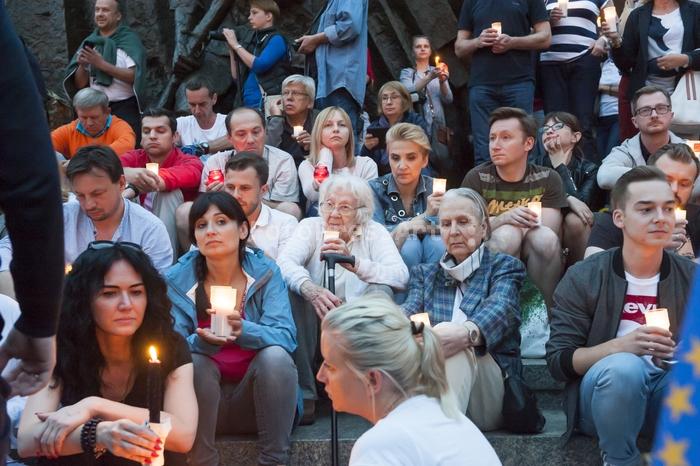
342,62
268,314
388,208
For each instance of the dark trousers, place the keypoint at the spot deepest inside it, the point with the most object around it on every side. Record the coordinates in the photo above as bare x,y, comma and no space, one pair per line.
128,110
343,99
607,133
4,422
572,87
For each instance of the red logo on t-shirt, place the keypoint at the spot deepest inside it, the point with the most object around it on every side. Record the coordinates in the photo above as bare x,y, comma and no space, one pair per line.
635,306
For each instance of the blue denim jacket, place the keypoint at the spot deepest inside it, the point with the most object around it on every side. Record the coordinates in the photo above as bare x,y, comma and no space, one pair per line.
388,208
268,314
342,62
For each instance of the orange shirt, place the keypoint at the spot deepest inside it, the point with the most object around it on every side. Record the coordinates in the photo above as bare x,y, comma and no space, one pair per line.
119,136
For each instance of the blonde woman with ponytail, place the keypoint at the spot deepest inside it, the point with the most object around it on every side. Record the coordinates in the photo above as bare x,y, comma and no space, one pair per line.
381,366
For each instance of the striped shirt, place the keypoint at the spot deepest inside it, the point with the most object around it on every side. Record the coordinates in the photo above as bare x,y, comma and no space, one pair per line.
575,33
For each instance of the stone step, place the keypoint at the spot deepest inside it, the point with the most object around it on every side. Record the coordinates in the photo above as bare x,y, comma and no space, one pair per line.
537,376
311,444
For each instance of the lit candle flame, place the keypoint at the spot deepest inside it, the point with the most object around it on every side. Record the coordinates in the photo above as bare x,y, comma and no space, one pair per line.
68,268
153,353
437,60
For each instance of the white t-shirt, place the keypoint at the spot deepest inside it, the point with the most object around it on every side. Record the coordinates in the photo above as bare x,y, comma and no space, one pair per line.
665,36
641,297
118,90
609,76
417,433
192,133
272,230
282,180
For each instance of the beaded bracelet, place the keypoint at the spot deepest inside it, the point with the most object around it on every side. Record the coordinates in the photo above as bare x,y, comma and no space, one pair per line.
88,437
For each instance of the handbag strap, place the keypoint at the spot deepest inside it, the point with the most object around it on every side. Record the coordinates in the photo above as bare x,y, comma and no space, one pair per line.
690,89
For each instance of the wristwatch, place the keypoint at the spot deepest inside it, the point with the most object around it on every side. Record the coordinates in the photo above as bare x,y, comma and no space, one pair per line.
205,147
473,333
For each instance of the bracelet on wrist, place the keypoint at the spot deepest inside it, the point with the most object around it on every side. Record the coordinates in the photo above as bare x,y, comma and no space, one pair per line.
88,437
133,188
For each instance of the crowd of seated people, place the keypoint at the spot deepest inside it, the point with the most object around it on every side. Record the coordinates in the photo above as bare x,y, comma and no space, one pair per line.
422,328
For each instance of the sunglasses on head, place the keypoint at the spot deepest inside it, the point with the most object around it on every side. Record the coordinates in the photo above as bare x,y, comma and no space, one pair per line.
106,244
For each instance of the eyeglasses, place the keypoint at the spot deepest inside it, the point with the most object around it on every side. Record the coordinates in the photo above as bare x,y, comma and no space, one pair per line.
294,94
387,98
660,109
343,209
554,127
105,244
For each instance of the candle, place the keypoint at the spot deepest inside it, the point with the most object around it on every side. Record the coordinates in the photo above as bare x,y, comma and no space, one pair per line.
297,131
497,27
421,317
610,14
437,61
658,318
694,146
153,386
536,207
439,185
223,303
598,22
330,235
680,214
563,6
152,167
68,268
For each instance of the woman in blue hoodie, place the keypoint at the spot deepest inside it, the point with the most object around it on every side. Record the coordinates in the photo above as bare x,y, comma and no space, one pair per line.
245,382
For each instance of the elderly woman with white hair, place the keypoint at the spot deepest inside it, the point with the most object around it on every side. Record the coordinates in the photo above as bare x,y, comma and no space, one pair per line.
292,117
344,227
472,297
390,371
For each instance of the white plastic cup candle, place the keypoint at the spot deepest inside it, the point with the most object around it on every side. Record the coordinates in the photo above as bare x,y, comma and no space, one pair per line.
563,6
161,429
658,318
152,167
611,18
497,27
330,235
536,207
680,214
439,185
223,303
325,156
297,131
422,317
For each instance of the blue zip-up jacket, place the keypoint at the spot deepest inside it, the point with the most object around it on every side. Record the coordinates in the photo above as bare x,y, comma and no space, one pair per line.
268,314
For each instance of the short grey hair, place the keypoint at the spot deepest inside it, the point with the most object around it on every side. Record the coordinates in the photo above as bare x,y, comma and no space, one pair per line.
478,201
89,98
307,82
358,187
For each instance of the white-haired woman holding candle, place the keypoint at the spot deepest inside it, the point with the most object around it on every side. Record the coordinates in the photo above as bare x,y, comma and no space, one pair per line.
114,307
345,227
231,304
405,201
472,297
390,371
332,152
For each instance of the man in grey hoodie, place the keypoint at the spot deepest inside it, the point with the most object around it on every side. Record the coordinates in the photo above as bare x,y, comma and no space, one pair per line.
651,107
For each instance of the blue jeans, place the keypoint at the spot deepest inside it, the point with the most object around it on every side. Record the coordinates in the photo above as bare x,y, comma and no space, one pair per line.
483,99
619,398
607,132
572,87
343,99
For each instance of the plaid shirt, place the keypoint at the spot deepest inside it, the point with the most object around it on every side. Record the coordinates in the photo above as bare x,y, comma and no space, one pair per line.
490,300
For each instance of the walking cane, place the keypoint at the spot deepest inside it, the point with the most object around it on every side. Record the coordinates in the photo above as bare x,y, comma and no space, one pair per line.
331,260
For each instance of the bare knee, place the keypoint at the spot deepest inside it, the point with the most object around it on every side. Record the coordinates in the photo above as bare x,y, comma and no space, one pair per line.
506,239
574,226
290,208
543,242
182,216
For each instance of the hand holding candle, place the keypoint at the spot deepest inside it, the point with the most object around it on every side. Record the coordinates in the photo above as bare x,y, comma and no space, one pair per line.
297,130
564,7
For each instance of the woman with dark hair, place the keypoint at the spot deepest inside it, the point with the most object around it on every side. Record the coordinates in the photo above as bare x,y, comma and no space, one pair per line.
394,107
245,380
114,307
561,137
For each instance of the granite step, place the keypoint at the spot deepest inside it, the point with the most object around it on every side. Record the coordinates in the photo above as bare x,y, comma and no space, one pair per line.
311,444
548,391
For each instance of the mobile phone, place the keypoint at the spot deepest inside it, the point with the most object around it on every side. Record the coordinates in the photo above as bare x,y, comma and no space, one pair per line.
89,43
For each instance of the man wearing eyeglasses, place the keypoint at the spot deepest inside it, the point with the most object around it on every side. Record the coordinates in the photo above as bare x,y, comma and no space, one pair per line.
295,110
651,107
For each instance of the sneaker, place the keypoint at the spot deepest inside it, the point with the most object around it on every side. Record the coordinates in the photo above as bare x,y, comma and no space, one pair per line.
309,416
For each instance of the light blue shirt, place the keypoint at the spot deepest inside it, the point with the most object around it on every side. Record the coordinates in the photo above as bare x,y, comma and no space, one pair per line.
137,226
342,62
